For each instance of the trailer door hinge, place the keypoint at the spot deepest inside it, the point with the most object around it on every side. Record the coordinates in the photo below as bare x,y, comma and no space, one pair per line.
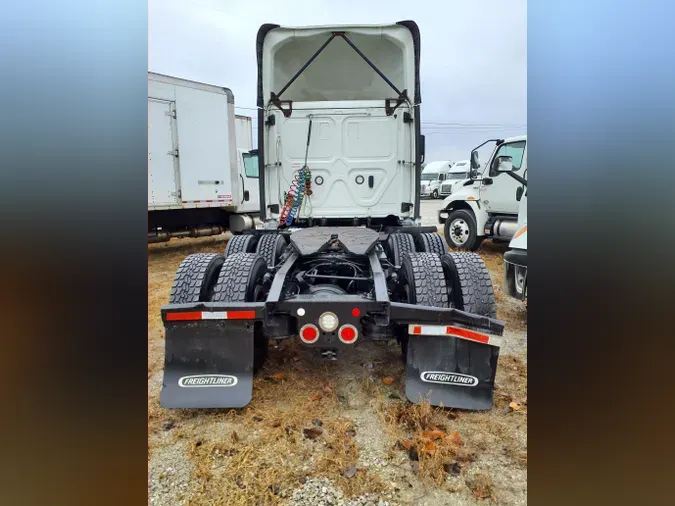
173,153
171,113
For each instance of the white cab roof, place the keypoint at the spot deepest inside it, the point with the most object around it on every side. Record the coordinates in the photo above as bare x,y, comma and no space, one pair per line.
436,166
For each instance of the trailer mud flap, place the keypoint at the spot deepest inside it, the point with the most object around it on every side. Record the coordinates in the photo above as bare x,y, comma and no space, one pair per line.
450,372
208,365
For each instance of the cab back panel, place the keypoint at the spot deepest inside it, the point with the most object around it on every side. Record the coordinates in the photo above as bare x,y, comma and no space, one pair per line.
359,159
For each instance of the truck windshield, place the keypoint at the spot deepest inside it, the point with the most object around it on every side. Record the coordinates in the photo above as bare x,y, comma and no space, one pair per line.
458,175
250,165
430,176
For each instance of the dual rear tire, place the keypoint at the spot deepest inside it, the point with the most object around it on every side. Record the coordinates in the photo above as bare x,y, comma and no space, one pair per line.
400,244
457,280
210,277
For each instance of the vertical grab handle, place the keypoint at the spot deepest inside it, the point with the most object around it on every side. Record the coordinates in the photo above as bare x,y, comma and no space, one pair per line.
371,181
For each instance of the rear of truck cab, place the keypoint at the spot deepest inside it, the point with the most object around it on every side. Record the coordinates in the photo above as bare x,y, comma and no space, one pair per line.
362,149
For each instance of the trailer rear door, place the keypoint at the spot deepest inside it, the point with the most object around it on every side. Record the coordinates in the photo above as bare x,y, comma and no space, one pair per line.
163,187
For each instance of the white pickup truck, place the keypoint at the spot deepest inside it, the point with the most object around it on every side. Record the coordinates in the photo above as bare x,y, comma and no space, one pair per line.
486,206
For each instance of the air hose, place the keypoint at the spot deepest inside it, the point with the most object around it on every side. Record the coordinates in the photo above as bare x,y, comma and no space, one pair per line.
301,187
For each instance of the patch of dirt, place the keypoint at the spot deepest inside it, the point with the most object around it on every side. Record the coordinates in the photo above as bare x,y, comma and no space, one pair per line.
315,424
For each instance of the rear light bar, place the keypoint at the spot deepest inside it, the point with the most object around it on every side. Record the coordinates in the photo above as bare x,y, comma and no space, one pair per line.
448,330
210,315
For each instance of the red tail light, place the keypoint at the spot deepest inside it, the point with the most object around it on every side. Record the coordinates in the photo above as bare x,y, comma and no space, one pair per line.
309,333
348,334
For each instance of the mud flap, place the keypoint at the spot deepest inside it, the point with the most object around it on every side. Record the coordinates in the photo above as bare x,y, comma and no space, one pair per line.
450,372
208,364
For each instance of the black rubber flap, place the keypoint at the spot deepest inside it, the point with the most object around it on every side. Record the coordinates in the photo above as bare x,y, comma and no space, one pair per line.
355,240
451,372
208,365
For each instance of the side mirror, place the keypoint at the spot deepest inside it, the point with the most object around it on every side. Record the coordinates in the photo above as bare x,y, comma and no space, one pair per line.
519,193
504,164
475,162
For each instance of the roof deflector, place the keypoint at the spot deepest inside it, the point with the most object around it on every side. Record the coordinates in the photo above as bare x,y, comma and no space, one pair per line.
275,98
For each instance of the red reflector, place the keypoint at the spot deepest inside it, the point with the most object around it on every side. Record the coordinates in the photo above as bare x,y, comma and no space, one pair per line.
468,334
348,334
194,315
309,333
417,329
356,312
241,315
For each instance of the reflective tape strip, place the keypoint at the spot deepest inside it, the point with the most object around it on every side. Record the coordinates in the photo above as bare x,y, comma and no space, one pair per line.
448,330
211,315
215,315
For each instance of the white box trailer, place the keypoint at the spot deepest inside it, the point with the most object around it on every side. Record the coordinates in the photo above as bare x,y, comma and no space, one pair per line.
196,175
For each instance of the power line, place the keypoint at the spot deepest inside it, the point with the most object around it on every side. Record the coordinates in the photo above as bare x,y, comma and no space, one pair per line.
470,125
432,127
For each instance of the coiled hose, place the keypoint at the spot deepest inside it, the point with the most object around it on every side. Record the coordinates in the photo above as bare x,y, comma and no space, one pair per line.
301,187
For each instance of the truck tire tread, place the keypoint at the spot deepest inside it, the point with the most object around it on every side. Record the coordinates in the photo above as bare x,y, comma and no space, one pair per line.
195,278
424,273
431,243
470,283
270,247
240,272
235,277
427,285
240,244
398,245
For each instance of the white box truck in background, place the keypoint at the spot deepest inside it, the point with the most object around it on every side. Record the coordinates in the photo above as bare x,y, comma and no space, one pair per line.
198,182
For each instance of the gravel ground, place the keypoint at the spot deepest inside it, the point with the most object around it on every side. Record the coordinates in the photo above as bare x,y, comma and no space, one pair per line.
321,492
169,475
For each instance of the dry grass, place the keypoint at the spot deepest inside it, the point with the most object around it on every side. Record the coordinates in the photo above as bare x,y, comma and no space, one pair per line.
288,433
481,486
422,432
444,441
